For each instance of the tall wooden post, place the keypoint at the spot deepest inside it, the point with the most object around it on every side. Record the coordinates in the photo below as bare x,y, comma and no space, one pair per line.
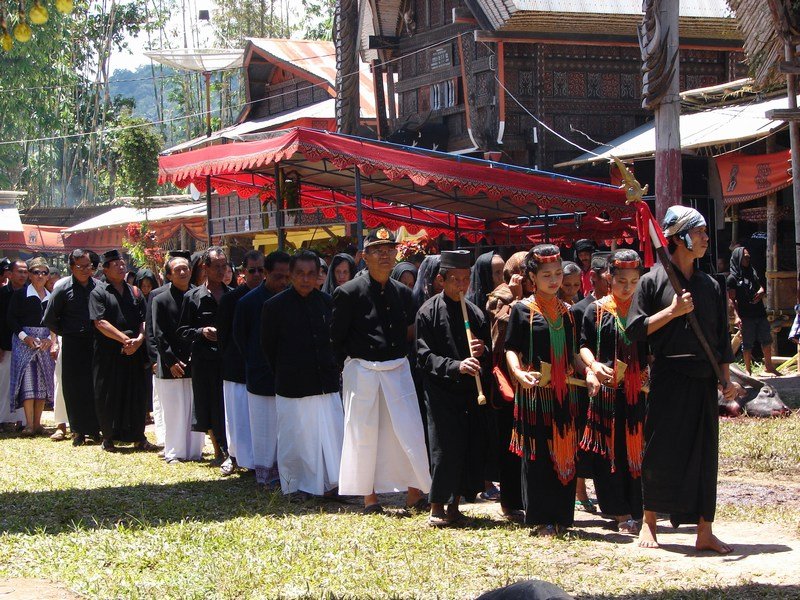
658,40
345,40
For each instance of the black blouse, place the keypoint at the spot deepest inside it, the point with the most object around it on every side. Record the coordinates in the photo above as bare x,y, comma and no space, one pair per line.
610,339
518,335
25,310
126,312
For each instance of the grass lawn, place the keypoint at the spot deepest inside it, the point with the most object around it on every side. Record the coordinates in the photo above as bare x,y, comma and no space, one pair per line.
127,525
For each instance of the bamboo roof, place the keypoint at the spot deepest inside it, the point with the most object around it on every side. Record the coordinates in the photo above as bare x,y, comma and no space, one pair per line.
762,44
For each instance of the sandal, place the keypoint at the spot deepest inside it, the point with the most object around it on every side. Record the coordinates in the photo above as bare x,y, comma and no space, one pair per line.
440,522
630,526
544,531
515,516
586,505
490,495
27,432
420,506
372,509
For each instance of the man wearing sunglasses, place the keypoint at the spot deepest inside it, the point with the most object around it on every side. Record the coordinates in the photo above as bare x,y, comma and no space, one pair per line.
67,314
237,417
260,380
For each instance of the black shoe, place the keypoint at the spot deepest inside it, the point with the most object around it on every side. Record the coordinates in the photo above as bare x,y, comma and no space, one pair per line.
108,446
145,446
78,439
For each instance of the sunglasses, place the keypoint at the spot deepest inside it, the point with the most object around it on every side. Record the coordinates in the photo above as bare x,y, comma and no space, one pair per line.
255,270
40,272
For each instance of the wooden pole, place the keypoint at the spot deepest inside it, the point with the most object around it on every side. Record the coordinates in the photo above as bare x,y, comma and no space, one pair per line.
359,217
667,115
794,138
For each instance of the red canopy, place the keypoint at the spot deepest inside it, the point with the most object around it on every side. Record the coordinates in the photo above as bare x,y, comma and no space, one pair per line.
376,213
401,175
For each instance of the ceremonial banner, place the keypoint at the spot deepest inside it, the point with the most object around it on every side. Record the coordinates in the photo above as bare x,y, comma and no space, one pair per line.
747,177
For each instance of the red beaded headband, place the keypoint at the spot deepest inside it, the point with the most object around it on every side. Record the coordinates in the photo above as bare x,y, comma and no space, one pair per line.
627,264
547,259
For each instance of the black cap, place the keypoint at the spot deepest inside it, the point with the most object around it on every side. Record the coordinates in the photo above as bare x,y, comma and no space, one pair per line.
5,265
180,254
378,236
600,261
585,246
455,259
111,255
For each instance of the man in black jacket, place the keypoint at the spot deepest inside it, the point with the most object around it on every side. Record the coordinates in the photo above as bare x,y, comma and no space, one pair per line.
67,314
260,382
18,277
198,326
234,388
295,336
173,383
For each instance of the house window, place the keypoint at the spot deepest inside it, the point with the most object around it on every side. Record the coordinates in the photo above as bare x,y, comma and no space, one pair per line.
443,94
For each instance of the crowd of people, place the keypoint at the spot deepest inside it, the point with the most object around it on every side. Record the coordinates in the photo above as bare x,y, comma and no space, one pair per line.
514,380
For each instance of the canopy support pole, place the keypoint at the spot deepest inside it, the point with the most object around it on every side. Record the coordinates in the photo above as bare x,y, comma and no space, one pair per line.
207,75
208,206
279,207
359,216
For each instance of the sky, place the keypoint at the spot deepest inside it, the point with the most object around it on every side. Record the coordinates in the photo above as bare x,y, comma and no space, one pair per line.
134,56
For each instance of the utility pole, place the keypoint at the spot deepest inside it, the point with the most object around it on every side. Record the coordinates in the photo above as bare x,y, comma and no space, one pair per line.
659,42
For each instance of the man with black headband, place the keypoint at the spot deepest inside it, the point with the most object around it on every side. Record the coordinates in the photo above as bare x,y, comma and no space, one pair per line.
679,469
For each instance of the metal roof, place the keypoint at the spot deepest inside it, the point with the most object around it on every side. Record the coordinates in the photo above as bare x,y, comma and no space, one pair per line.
709,9
123,215
715,127
315,60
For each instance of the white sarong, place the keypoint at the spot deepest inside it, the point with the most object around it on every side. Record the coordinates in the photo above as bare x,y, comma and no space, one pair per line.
384,444
237,423
310,432
59,408
180,442
264,436
158,414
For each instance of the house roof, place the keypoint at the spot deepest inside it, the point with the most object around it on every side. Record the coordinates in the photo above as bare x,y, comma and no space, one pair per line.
122,215
315,61
714,127
704,19
762,44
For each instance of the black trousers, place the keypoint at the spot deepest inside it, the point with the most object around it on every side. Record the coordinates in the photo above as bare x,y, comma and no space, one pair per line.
209,402
77,382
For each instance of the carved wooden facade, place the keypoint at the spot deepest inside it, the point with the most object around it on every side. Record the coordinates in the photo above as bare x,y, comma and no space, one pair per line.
590,94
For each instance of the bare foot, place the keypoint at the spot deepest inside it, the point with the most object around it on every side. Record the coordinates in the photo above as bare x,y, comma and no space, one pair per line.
647,536
712,542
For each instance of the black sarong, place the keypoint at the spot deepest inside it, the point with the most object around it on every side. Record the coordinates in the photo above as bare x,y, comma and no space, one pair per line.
209,403
679,471
118,393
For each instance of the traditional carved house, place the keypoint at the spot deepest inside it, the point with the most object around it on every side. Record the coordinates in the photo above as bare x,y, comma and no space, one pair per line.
530,78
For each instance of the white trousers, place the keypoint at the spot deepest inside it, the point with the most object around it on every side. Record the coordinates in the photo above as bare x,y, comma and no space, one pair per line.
384,444
264,436
158,414
237,423
180,442
59,408
310,432
6,414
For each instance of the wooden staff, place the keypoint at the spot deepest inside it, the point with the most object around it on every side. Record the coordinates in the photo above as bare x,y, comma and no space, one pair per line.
481,397
634,193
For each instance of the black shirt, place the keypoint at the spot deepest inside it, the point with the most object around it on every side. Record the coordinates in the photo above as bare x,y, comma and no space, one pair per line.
25,310
67,311
745,291
246,335
295,337
199,309
149,335
233,368
442,342
675,344
5,332
371,321
126,312
165,309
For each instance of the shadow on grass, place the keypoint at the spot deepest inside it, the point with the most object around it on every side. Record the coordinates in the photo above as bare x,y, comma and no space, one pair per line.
151,505
749,591
148,505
